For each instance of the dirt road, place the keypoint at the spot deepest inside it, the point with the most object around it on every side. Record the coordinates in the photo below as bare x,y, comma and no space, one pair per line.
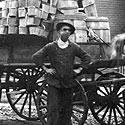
9,117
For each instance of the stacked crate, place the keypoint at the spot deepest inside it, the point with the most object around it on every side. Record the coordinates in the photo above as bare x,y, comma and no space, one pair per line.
12,18
69,13
22,12
69,7
90,7
29,13
49,10
4,24
27,16
33,17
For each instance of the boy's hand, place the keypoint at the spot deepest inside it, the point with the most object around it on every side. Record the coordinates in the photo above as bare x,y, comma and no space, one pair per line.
51,71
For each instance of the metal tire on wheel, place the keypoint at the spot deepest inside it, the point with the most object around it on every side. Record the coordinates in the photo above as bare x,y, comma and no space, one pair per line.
24,83
109,108
79,110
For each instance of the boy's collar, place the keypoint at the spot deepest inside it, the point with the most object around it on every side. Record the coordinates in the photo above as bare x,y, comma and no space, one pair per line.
56,41
62,44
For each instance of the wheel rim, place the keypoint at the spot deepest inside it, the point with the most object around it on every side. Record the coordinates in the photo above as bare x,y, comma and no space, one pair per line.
24,84
80,105
109,109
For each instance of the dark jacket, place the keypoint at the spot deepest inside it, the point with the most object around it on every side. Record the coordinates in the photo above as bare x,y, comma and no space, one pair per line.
62,60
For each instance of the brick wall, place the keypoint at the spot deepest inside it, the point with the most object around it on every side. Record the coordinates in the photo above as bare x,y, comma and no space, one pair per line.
115,11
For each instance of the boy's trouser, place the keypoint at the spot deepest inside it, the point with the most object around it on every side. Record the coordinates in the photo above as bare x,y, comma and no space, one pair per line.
59,106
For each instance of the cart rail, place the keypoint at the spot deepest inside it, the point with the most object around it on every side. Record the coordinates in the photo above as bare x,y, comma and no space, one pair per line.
120,81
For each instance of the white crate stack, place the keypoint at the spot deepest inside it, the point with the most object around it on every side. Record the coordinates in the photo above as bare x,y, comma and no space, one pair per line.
49,10
67,7
90,7
30,17
4,25
37,17
27,16
12,18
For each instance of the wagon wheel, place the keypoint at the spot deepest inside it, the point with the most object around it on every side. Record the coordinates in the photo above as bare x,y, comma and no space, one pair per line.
79,110
23,88
109,108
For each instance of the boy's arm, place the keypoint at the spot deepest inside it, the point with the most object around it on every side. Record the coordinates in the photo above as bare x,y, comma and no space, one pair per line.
84,56
40,56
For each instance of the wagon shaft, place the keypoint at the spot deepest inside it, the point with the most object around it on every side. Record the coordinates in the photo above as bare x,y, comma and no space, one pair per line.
104,63
104,82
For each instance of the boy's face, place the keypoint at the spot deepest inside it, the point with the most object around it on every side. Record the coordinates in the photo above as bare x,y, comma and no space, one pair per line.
64,33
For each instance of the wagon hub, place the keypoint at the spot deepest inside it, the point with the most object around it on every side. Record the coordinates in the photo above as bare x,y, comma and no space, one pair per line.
112,100
31,85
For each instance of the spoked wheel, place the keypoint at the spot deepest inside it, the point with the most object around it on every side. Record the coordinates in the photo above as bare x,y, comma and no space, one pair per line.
79,110
109,107
23,88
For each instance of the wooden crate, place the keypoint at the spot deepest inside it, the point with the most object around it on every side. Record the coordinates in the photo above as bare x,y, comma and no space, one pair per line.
100,26
23,30
22,21
52,9
45,1
12,30
80,36
5,13
67,3
13,12
87,2
12,21
45,10
36,3
34,11
22,3
45,6
4,21
33,21
22,12
44,14
3,29
69,10
4,5
91,10
54,2
36,30
13,4
90,7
